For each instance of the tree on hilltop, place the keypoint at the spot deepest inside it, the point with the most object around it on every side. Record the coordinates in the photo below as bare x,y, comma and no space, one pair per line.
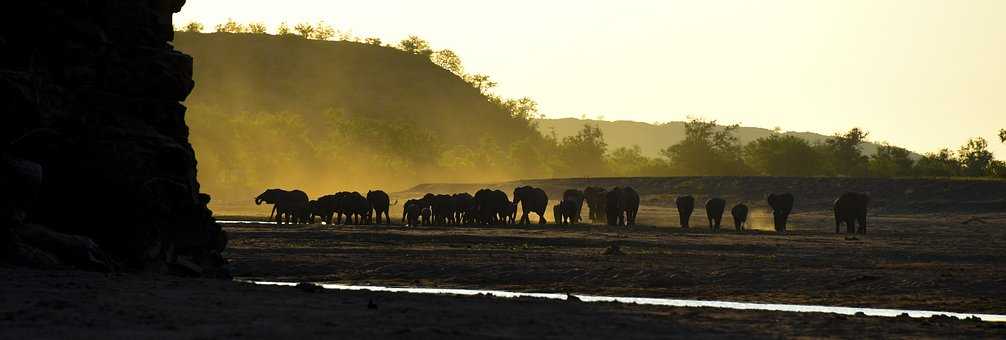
230,26
257,28
194,27
416,45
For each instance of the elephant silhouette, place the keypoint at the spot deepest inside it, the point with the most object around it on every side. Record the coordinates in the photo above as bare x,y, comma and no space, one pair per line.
595,198
287,206
630,205
686,205
380,204
576,199
851,209
740,214
531,200
782,206
714,211
411,211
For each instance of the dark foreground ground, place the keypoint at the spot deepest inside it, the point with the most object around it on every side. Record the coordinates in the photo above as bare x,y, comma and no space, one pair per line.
64,305
945,251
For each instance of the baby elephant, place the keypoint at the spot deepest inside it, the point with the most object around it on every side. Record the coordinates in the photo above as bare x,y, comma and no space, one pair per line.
740,212
565,212
714,210
558,215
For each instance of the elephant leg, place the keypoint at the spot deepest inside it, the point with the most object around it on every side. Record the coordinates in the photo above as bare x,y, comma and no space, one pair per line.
541,218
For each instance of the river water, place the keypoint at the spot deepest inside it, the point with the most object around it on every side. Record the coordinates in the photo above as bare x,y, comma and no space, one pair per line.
881,312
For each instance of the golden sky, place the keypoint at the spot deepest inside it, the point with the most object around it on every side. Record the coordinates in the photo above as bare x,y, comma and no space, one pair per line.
924,74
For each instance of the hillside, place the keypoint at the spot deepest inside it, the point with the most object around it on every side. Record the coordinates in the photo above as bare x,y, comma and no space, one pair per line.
282,111
652,138
266,73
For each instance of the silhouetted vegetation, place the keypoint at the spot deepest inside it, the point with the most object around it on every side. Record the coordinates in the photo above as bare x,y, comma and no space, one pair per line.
708,149
291,112
193,27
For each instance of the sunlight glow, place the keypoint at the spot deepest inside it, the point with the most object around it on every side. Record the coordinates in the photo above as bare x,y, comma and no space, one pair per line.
925,74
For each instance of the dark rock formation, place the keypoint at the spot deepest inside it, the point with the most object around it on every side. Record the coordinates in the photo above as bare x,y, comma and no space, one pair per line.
90,96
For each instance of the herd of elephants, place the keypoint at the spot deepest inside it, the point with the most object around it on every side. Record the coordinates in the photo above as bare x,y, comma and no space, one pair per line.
616,207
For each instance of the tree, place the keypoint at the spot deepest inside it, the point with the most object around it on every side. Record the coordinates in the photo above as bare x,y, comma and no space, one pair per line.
975,157
415,45
257,28
283,29
891,161
583,154
1002,135
843,155
373,41
448,60
708,150
323,31
230,26
305,30
194,27
782,155
630,162
940,164
523,108
480,81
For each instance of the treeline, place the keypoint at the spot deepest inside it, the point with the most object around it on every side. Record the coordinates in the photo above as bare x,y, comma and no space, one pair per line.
713,150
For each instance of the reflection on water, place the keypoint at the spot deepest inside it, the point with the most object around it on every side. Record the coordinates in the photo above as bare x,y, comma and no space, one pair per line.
661,302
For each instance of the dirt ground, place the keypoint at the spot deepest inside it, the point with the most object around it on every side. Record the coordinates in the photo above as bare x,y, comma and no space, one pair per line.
908,262
77,305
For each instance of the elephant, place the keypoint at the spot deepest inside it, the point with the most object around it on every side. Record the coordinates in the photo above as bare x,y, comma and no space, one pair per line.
325,208
782,206
464,204
595,198
851,208
380,203
531,200
615,207
558,214
565,212
740,214
426,214
312,207
486,207
291,205
357,209
686,205
576,198
631,205
443,209
508,215
714,211
410,213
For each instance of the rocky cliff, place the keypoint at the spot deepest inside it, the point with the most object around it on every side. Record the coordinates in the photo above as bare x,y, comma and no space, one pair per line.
97,168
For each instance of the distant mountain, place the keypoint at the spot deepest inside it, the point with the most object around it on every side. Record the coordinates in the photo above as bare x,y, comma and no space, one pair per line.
651,138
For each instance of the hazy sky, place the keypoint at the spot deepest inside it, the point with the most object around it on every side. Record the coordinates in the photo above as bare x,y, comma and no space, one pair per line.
924,74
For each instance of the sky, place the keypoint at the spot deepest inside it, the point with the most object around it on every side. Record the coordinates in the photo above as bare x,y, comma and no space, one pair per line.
923,74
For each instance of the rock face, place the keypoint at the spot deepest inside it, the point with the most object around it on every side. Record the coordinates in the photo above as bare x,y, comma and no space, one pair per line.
90,94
